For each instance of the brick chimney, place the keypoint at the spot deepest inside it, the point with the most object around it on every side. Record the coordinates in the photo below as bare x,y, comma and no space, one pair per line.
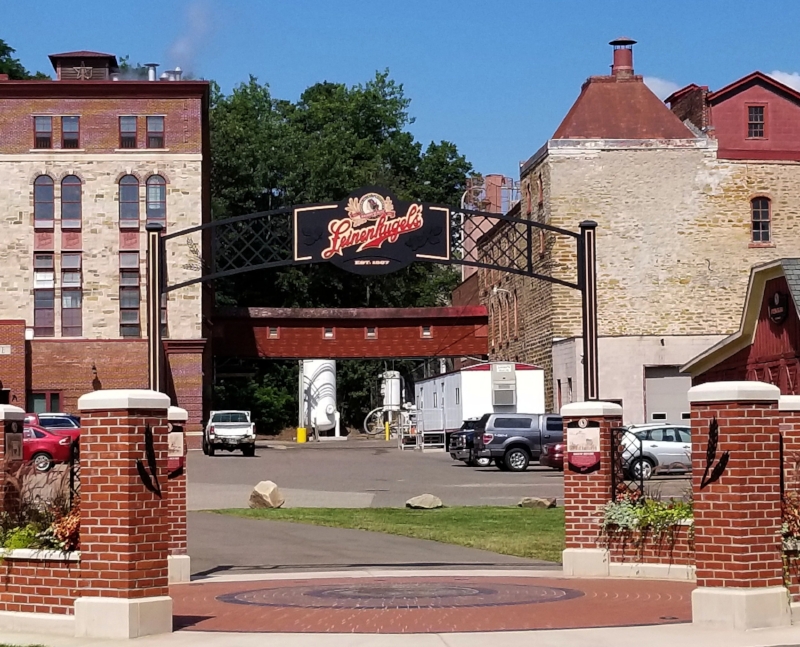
622,68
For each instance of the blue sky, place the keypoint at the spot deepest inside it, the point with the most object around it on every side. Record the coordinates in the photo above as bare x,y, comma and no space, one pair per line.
495,77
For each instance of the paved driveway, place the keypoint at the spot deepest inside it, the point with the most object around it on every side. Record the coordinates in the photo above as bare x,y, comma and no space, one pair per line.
358,474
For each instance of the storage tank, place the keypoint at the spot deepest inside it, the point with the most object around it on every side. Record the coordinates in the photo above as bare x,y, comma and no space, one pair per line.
390,389
319,388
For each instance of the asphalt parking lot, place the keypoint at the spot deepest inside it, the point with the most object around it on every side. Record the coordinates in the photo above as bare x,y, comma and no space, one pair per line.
360,474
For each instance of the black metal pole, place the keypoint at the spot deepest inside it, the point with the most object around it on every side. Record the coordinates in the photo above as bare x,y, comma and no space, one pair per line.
155,265
587,279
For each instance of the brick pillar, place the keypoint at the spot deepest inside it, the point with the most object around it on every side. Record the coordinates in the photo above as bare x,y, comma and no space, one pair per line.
12,419
179,562
789,426
586,492
737,518
124,525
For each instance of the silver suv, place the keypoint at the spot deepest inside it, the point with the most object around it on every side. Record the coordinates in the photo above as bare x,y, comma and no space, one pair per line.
657,448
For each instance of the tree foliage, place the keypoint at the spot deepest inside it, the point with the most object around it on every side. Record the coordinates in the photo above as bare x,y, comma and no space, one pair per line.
269,153
11,66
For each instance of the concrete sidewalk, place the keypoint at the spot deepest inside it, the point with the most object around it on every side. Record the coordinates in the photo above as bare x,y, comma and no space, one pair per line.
659,636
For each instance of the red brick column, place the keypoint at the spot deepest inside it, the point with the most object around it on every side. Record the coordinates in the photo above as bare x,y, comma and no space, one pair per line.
789,427
179,564
11,418
737,518
124,524
586,492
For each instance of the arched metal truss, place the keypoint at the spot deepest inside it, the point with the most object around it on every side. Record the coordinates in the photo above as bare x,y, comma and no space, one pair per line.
269,239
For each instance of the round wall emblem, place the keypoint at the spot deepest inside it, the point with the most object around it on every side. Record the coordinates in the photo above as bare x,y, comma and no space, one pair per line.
14,427
582,423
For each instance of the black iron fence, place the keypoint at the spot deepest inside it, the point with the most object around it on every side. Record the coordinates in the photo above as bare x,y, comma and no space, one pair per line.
629,468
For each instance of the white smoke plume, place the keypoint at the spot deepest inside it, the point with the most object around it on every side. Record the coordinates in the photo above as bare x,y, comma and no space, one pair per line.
197,28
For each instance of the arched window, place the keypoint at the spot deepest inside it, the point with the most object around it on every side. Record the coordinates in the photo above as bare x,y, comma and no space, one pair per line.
157,199
129,202
43,209
760,214
71,202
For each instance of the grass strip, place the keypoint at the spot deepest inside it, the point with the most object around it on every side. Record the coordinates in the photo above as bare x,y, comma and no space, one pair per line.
524,532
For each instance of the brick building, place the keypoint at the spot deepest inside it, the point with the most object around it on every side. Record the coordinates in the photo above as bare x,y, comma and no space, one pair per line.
686,201
85,161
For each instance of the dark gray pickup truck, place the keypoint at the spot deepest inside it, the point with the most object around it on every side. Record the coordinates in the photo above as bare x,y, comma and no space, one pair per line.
513,440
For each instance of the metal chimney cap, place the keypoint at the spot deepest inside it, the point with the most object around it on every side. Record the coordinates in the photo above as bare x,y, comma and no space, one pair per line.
622,41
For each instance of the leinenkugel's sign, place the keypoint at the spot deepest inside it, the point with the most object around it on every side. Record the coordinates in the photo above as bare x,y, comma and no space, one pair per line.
371,232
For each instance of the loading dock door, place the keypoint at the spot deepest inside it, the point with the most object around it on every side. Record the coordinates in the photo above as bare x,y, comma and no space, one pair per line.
666,398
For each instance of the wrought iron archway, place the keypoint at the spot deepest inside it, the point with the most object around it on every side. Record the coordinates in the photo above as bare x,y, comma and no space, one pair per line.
370,232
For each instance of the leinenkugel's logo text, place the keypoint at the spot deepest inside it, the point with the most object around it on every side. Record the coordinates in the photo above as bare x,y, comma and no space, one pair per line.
371,221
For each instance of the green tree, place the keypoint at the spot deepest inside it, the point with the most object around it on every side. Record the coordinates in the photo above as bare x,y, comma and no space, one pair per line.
268,153
11,66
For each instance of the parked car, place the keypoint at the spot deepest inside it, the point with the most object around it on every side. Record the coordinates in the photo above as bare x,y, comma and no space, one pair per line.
229,430
656,449
58,421
462,446
513,440
44,448
552,456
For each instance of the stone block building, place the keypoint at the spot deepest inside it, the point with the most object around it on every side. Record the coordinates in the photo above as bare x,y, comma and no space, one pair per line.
85,161
686,201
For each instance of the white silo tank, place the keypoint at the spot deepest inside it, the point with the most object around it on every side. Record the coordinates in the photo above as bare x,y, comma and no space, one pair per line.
391,390
319,387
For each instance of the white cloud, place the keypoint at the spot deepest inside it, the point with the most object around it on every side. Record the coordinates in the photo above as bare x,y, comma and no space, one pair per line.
661,87
196,29
792,79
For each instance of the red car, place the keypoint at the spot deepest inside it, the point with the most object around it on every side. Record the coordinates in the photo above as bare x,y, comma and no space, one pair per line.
553,456
45,448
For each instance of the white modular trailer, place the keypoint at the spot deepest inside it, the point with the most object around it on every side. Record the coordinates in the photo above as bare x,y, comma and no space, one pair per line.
445,401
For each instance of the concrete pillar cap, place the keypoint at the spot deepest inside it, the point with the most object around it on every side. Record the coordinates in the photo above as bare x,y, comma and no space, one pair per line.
591,409
10,412
176,414
734,392
789,403
120,399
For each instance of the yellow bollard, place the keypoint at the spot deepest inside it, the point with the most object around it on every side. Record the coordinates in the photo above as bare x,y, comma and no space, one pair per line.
386,429
301,435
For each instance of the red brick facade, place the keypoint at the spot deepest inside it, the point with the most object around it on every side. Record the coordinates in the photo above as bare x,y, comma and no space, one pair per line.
99,122
586,494
737,519
40,587
12,364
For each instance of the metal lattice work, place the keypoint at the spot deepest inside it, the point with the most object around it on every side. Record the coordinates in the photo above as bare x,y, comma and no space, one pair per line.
627,475
500,242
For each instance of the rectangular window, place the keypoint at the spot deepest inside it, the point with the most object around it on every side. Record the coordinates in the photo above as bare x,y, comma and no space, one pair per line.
155,132
435,400
127,132
45,402
659,416
760,213
129,295
371,332
426,332
755,121
44,313
327,333
70,132
164,315
43,271
273,332
458,395
43,132
71,295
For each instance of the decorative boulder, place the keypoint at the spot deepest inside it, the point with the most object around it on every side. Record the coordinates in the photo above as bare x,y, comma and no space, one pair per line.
424,502
266,495
536,502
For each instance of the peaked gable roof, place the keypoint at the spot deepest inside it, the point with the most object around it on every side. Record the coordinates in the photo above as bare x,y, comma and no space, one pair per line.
744,337
754,78
613,108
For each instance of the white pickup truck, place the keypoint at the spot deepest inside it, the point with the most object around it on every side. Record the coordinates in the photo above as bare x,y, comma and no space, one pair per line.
229,430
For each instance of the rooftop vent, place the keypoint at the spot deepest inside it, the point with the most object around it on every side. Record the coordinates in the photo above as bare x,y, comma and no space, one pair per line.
623,57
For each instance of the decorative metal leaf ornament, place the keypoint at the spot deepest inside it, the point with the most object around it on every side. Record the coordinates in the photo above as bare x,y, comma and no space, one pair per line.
716,471
150,480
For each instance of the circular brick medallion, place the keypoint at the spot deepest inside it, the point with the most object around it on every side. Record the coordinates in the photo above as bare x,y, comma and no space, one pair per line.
400,595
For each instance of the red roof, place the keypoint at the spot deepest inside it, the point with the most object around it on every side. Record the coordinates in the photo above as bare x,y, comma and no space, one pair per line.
679,93
754,78
82,52
620,108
